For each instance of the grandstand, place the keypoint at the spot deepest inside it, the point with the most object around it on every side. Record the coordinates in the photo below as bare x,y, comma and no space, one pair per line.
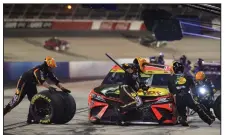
79,11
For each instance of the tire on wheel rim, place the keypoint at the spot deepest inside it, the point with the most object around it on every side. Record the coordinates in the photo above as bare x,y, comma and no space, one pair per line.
52,107
62,47
217,108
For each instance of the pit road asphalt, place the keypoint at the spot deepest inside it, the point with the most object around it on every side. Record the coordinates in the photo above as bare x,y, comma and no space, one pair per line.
79,125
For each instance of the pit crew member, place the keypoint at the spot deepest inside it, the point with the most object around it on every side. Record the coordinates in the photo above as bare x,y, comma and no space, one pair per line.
30,79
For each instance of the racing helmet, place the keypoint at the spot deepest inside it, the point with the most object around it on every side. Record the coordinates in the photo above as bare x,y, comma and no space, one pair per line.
184,57
131,66
161,54
200,61
139,62
199,76
178,68
50,62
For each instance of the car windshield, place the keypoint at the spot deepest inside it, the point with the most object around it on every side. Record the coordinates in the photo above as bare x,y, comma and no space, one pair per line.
155,79
114,78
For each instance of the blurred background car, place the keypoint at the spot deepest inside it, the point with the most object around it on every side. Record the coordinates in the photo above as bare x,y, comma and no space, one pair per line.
56,44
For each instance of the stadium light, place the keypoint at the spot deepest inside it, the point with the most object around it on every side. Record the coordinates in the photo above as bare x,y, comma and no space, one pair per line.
69,7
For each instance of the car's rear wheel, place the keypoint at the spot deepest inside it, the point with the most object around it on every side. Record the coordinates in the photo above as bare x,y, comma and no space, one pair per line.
62,47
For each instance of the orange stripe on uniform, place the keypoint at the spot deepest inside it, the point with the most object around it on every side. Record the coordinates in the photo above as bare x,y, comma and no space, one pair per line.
18,82
17,91
22,88
36,75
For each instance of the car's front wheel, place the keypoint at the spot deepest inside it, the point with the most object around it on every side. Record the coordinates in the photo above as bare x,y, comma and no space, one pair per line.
62,47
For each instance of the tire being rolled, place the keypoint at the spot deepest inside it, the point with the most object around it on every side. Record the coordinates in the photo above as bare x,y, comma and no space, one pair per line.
217,108
62,106
69,108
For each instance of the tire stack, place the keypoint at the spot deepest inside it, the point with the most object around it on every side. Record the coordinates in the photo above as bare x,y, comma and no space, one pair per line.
63,107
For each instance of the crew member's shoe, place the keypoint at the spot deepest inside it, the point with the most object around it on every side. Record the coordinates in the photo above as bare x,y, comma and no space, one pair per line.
212,116
184,122
210,121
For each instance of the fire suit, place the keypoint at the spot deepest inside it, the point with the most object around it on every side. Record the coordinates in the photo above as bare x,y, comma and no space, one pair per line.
131,85
180,85
27,85
210,86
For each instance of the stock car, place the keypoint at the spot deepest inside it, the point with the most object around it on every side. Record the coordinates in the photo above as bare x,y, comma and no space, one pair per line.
56,44
158,102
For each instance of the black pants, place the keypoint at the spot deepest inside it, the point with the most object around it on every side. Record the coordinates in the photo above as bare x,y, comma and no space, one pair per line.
130,101
186,101
23,88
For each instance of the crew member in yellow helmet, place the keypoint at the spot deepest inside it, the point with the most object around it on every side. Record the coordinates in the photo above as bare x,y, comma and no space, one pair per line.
28,81
140,62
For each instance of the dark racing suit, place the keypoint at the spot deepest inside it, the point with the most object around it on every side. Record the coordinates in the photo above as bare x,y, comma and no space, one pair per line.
210,87
180,85
161,60
130,86
27,85
157,60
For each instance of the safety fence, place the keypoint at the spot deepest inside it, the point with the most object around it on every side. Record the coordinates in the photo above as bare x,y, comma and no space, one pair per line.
70,70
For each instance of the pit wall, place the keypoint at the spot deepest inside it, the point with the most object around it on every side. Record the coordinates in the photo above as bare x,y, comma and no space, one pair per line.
84,70
65,70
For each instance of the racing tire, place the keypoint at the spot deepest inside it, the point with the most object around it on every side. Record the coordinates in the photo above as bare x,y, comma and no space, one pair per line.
70,107
62,47
55,107
67,46
56,48
217,108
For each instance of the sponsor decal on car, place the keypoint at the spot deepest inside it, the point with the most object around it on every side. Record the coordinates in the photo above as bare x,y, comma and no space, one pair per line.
27,24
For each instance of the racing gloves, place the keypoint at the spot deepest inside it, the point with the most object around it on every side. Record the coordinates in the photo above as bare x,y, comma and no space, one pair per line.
65,90
52,89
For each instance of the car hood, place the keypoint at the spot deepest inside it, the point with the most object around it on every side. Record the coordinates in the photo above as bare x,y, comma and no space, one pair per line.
114,89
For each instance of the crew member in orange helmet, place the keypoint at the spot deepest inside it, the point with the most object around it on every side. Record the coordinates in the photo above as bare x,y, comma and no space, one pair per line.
201,79
30,79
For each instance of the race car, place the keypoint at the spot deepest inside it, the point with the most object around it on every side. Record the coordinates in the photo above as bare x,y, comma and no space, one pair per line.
56,44
159,106
150,41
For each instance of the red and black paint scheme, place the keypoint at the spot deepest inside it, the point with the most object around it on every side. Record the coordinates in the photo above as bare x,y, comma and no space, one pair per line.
56,44
159,106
